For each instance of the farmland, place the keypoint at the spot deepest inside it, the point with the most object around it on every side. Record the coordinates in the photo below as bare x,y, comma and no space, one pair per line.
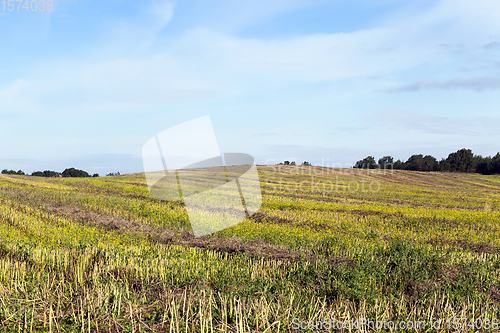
99,254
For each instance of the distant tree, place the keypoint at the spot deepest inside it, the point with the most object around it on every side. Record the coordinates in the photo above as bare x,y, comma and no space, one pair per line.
484,165
293,163
46,173
366,163
386,162
12,172
72,172
306,163
113,174
286,163
462,161
444,165
49,173
398,165
95,175
430,163
415,162
495,164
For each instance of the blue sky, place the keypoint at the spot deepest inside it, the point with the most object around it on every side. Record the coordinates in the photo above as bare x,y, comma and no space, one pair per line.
330,82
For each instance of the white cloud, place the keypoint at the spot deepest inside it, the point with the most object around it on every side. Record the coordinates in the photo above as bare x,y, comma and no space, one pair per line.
438,125
310,58
474,83
113,86
479,15
133,36
399,44
447,17
203,63
231,16
20,97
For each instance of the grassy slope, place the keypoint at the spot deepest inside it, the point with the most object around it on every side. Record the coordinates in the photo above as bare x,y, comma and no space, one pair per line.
99,252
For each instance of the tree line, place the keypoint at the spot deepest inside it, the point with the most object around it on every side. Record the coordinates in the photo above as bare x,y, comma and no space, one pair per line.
69,172
293,163
462,160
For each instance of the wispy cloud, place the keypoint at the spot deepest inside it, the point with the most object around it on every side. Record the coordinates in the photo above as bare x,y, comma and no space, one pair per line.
492,46
318,57
136,35
116,86
409,120
478,84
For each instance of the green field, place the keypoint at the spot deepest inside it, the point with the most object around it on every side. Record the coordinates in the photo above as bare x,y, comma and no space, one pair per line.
99,254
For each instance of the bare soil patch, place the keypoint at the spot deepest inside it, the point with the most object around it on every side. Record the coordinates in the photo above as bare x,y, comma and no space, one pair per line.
262,217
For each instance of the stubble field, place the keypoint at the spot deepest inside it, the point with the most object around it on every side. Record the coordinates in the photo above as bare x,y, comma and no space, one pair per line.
99,254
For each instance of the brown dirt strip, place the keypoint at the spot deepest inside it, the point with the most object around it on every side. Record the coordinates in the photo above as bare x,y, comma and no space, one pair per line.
262,217
366,212
362,212
299,196
130,183
125,182
229,245
417,177
361,198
